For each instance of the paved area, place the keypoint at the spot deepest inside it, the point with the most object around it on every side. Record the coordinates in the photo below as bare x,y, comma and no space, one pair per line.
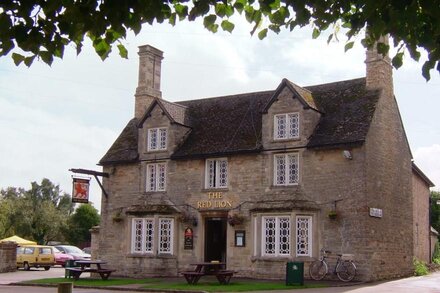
425,284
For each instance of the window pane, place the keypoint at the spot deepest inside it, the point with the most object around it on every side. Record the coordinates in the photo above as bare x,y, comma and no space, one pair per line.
223,173
166,232
280,170
293,168
151,177
280,126
152,137
269,235
137,235
211,173
161,170
293,125
149,234
284,235
303,232
163,138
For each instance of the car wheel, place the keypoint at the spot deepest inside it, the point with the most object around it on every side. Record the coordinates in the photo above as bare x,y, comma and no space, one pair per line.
46,268
26,266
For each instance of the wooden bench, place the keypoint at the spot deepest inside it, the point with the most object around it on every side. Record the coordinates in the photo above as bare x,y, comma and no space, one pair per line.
192,277
224,276
76,272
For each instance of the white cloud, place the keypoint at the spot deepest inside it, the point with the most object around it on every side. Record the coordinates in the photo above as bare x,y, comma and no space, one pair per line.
428,160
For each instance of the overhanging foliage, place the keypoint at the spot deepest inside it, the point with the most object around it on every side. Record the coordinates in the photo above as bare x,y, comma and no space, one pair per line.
42,29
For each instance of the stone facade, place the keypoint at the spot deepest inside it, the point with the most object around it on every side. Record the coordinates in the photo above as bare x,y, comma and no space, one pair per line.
8,257
335,164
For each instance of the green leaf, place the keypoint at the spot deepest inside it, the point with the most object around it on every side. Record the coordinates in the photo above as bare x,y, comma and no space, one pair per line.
316,33
397,60
348,46
28,60
46,57
122,51
17,58
262,34
220,9
227,26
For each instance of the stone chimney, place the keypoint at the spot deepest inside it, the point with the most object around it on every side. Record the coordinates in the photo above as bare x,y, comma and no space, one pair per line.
150,60
379,73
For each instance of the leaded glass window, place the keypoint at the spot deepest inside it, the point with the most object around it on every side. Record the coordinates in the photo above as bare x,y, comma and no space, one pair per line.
156,177
286,169
166,236
303,235
286,126
276,236
216,173
143,233
157,139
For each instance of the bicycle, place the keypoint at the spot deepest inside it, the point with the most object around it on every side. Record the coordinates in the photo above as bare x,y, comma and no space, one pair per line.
344,268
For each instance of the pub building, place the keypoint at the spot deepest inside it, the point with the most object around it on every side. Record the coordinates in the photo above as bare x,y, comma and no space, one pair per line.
259,179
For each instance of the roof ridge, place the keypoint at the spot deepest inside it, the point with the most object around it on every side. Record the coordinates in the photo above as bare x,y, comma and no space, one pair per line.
227,96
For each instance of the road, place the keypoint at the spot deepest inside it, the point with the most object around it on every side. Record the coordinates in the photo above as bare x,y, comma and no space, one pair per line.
425,284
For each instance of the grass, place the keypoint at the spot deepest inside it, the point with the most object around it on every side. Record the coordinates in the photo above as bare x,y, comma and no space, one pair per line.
209,285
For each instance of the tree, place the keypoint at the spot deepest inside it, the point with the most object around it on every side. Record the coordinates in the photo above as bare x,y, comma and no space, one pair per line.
42,29
435,210
39,213
80,222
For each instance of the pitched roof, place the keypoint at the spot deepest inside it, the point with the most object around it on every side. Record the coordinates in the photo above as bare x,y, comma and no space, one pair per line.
125,147
232,124
348,109
175,112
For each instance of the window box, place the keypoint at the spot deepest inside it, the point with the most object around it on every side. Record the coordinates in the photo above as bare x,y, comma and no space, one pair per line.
235,219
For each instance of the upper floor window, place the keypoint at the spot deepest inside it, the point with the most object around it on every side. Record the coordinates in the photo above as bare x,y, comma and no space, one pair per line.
156,177
286,126
216,173
157,139
286,169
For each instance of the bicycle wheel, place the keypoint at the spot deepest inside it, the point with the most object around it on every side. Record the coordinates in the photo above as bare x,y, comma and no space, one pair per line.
318,269
346,271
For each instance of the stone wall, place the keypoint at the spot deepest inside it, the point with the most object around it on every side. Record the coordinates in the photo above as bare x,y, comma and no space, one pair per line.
8,257
422,229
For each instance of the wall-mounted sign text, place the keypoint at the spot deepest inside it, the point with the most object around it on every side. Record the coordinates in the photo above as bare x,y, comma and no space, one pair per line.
214,200
375,212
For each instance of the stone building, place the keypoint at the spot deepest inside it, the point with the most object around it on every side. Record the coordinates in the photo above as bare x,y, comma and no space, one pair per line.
250,179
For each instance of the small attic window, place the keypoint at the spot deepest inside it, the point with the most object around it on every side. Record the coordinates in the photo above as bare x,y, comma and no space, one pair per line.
157,139
286,126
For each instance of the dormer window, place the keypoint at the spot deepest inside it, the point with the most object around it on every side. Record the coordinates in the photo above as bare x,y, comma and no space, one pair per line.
286,126
157,139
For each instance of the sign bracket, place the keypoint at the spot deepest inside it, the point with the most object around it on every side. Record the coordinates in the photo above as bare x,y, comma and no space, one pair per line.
94,174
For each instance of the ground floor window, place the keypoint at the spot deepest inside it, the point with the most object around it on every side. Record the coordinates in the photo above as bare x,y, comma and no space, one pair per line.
145,239
284,235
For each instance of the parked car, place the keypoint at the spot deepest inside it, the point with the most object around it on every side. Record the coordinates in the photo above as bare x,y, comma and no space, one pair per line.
60,257
35,256
74,251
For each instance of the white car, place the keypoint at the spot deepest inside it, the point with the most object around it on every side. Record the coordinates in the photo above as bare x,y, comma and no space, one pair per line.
74,251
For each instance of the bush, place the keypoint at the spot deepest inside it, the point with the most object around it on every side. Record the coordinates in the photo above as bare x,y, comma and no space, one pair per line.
436,254
420,268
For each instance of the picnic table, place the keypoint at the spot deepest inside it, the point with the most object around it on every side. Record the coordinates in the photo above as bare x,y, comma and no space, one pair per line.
201,269
90,266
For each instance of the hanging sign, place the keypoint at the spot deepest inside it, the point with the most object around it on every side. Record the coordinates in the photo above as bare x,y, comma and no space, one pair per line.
188,242
80,190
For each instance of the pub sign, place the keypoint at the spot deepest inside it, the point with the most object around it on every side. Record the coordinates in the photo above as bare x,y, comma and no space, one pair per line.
189,239
80,190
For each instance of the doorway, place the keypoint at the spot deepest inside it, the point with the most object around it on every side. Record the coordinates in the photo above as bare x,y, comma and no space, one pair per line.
215,239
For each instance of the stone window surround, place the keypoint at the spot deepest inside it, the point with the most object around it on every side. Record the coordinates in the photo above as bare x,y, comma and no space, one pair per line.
258,239
161,144
156,219
287,130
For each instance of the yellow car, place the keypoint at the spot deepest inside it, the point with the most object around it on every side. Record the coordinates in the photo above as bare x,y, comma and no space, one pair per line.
35,256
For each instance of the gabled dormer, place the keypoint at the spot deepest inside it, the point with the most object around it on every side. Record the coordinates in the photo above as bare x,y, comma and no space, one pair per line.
161,129
289,117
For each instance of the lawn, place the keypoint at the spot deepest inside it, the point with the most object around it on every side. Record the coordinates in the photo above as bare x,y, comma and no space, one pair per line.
209,285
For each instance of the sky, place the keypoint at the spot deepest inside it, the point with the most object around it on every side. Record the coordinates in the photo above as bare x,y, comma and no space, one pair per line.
69,114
